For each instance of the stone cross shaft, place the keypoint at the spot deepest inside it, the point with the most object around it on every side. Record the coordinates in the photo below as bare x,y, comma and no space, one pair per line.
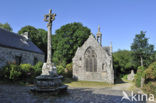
49,18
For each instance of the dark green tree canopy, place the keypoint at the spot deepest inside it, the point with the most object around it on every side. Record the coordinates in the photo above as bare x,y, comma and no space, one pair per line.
122,62
41,40
6,26
66,41
142,50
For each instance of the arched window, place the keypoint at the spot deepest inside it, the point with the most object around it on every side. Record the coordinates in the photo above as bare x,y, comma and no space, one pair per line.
90,60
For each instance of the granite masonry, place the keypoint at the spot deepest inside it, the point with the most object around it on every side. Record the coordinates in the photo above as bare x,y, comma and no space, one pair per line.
131,76
18,49
92,62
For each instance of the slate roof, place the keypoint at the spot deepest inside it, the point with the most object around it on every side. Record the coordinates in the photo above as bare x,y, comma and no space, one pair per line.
13,40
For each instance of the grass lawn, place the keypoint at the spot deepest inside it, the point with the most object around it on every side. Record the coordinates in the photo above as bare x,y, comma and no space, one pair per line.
86,84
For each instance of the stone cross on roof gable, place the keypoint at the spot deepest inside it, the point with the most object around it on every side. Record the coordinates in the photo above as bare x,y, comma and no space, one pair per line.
98,28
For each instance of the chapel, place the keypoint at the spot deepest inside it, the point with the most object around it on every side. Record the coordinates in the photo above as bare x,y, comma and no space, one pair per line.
93,62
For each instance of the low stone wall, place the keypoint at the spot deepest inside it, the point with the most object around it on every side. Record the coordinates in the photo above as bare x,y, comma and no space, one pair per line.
7,55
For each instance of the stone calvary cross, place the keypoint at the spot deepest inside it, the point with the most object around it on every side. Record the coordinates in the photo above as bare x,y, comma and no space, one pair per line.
48,68
49,18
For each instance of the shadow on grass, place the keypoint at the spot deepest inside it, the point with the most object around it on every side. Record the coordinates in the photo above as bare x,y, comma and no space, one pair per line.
68,80
119,81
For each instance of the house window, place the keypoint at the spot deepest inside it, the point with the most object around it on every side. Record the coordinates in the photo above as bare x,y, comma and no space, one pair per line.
35,60
18,60
90,60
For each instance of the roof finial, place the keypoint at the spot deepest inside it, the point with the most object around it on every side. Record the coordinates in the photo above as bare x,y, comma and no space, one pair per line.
98,28
111,44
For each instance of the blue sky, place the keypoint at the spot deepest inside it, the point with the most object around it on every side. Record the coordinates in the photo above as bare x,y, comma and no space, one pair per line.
119,20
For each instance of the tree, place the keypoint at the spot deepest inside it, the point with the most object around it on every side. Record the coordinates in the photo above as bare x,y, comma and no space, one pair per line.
143,52
66,41
41,40
6,26
122,62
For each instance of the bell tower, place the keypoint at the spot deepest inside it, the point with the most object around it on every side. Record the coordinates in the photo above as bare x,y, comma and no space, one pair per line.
99,36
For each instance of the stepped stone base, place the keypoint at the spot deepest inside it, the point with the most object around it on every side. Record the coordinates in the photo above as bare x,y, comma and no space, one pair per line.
49,80
48,83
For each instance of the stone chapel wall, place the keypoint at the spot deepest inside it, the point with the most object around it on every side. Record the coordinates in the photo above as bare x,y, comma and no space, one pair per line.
104,70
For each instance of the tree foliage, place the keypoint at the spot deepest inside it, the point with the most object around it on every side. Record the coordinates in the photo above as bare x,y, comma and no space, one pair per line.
6,26
41,40
142,51
122,62
66,41
151,72
140,74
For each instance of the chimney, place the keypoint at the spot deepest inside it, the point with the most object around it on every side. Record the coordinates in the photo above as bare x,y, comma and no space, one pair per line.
25,35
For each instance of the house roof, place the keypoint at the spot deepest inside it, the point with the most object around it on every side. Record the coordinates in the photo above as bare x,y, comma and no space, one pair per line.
13,40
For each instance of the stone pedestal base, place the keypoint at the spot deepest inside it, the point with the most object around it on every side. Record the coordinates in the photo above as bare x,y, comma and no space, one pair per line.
47,83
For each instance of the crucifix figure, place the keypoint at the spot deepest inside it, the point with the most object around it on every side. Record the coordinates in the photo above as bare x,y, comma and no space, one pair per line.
48,68
49,18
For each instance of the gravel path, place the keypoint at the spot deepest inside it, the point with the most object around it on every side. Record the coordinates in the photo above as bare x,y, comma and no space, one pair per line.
22,94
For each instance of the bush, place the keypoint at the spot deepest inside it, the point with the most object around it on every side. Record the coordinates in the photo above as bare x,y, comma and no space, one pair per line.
150,88
125,77
24,72
5,72
15,72
150,78
151,72
139,75
68,70
60,70
38,69
10,72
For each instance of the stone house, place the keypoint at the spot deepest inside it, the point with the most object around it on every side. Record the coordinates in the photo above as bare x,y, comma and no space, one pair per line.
92,62
18,49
